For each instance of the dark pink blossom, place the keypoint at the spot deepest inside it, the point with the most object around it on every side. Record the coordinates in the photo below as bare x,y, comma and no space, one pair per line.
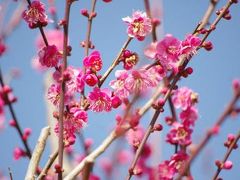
18,153
100,100
178,160
168,50
189,116
139,25
190,44
179,134
49,56
93,61
165,171
35,15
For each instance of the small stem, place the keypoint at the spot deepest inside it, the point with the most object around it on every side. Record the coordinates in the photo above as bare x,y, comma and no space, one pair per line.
14,117
48,165
62,92
208,13
10,173
229,151
115,62
148,11
89,27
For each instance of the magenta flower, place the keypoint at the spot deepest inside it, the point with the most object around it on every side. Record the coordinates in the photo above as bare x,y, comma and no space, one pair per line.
18,153
165,171
93,61
190,44
184,98
177,160
35,15
49,56
53,36
179,134
100,100
189,116
139,25
73,122
168,50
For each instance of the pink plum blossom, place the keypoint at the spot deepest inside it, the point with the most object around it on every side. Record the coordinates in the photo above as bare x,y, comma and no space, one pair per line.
100,100
168,50
53,36
189,116
119,84
190,44
139,25
165,171
35,15
179,134
49,56
18,153
93,61
183,98
134,136
151,50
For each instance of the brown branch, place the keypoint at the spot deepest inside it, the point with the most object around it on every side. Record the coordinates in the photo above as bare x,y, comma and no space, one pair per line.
10,173
208,13
37,153
115,62
14,117
229,151
48,165
68,4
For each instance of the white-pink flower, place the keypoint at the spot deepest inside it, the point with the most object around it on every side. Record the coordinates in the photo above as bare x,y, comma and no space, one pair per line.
139,25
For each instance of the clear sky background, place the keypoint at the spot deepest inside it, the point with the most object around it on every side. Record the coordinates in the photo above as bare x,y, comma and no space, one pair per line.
212,77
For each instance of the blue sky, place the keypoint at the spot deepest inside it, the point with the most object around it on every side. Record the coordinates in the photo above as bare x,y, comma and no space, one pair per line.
212,77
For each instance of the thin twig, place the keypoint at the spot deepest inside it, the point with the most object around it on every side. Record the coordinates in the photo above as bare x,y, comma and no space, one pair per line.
10,173
229,151
14,117
115,62
208,13
37,153
48,165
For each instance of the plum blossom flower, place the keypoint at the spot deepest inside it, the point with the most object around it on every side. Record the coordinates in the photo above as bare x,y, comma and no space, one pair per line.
177,160
168,50
184,98
53,36
139,25
119,84
35,15
93,61
134,136
73,122
189,116
165,171
49,56
151,50
179,134
190,44
140,80
100,100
